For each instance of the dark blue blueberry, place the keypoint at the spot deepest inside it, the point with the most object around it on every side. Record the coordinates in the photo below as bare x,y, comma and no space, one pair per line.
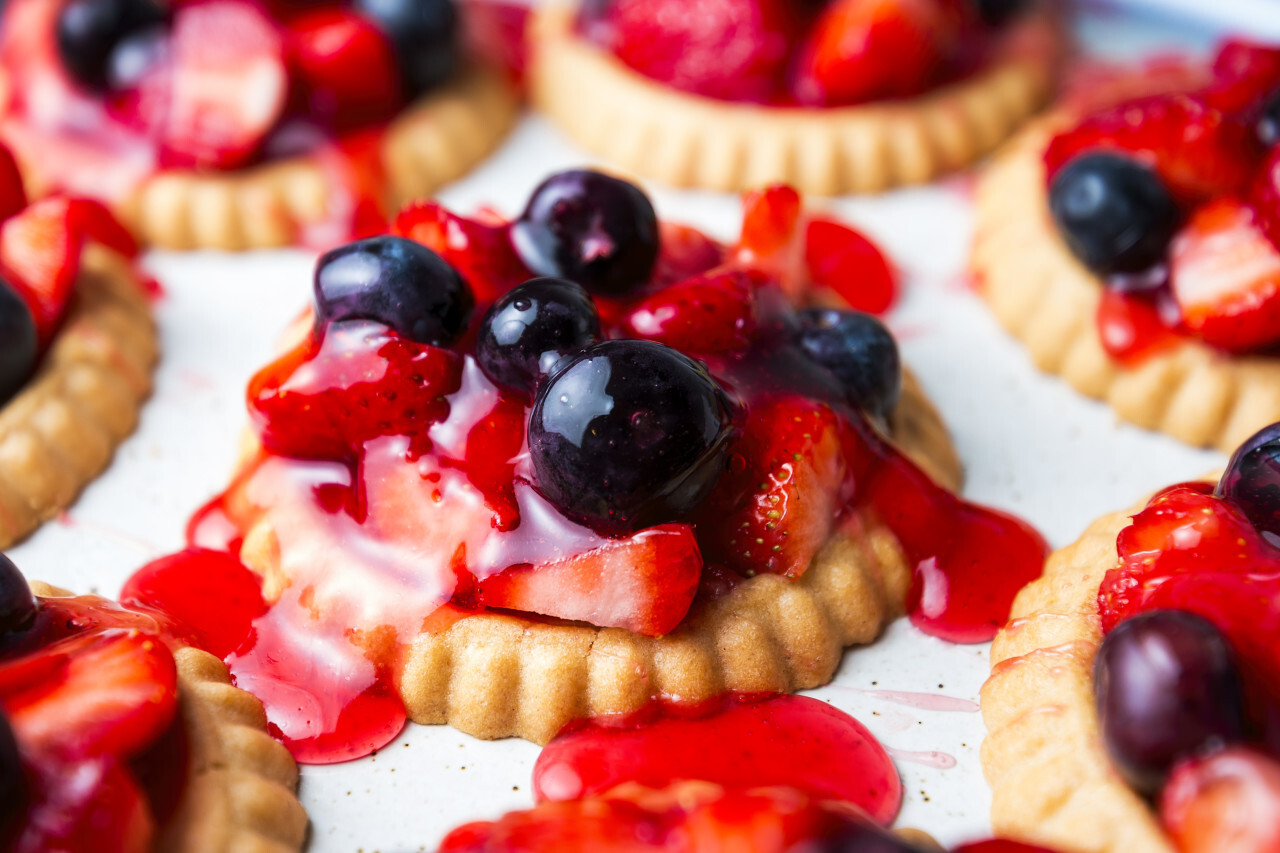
1269,122
858,350
397,282
89,33
997,13
424,34
1167,688
13,783
18,344
17,604
1114,213
590,228
1252,480
849,835
531,327
628,434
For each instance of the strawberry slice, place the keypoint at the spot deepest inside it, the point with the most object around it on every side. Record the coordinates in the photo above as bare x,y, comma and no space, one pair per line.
1225,276
711,313
1131,328
844,262
39,256
94,694
1265,196
1245,73
346,66
1199,150
775,510
13,195
91,805
861,50
1226,801
772,232
685,252
644,583
480,251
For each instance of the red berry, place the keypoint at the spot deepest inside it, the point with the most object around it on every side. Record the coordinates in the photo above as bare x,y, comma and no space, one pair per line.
39,256
849,265
104,811
347,67
711,313
1131,328
480,251
1227,801
1265,196
1244,74
13,196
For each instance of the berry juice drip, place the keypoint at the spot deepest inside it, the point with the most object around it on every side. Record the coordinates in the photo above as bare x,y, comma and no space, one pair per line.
789,741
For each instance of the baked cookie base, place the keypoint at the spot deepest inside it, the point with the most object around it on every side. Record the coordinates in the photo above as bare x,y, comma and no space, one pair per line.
1049,301
686,140
62,428
1052,782
240,784
435,140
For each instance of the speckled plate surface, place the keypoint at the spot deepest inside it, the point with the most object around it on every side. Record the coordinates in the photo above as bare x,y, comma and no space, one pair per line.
1030,445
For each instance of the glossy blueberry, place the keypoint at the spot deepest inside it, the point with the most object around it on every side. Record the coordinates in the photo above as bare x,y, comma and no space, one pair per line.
997,13
1114,213
1167,688
91,32
1252,480
18,344
628,434
590,228
397,282
531,327
13,783
859,351
424,35
1268,126
17,604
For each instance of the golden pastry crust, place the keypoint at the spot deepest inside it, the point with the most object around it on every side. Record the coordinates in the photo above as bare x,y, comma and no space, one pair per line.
433,141
240,784
62,428
1052,782
1049,301
496,675
686,140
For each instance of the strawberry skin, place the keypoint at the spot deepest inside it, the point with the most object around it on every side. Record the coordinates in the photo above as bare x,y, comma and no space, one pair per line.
346,66
39,254
711,313
481,252
1265,196
1225,276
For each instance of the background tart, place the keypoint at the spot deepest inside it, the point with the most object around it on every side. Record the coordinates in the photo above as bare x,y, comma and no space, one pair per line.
659,132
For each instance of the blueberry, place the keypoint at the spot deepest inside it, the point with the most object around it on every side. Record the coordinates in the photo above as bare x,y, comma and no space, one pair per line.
997,13
89,33
1252,480
1114,213
397,282
18,344
858,350
532,327
17,604
1167,688
13,783
590,228
424,35
628,434
1268,126
849,835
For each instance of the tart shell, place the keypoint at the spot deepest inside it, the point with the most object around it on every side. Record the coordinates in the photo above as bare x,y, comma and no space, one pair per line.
240,784
433,141
495,675
1052,782
1049,301
62,428
686,140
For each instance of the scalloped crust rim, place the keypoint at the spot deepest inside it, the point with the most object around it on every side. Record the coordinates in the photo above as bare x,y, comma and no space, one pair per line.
686,140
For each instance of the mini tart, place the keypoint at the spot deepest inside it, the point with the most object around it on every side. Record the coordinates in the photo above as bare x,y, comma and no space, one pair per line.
1049,301
61,429
434,140
240,781
686,140
495,675
1051,779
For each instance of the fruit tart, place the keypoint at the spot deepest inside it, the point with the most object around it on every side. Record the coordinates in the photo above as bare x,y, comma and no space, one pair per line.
238,124
1131,240
565,464
117,736
833,97
77,345
1133,702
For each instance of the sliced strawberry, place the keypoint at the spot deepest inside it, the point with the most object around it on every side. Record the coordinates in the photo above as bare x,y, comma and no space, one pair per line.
711,313
844,262
1245,73
39,256
95,694
222,88
1131,328
1199,150
13,195
644,583
686,252
1225,276
480,251
735,50
89,805
1265,196
861,50
773,236
347,67
785,485
325,398
1227,801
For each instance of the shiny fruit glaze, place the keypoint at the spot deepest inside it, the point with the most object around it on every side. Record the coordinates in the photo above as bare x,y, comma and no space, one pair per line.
778,741
394,493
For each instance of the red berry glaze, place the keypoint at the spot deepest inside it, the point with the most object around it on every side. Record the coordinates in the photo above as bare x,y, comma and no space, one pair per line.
1227,801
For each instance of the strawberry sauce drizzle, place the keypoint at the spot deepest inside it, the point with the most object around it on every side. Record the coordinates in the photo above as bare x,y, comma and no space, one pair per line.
394,495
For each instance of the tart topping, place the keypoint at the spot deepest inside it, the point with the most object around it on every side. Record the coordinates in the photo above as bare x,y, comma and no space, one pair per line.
424,35
1226,801
1252,482
529,329
859,351
17,604
18,344
97,38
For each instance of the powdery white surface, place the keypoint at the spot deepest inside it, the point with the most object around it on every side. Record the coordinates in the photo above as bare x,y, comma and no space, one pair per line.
1030,445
